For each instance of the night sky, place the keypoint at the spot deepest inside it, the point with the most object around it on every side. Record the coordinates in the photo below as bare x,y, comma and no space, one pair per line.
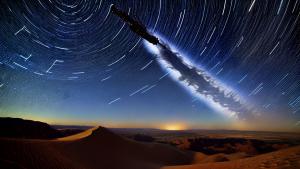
229,64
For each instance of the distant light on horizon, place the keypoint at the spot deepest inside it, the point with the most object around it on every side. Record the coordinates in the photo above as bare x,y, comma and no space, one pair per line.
174,126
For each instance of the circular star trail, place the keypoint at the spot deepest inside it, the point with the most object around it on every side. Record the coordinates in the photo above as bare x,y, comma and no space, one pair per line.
252,46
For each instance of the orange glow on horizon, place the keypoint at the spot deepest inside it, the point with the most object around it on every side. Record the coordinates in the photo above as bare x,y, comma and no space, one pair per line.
174,126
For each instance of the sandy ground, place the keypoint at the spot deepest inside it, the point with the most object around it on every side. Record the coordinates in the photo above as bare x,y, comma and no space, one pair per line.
98,148
282,159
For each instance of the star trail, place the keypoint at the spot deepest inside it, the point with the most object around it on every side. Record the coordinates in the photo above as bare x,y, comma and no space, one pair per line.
53,52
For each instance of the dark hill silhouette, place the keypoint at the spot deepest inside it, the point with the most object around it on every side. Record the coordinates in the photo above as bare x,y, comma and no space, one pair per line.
19,128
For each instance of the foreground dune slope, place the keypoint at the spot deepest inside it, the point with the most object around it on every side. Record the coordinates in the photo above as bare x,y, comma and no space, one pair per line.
97,148
282,159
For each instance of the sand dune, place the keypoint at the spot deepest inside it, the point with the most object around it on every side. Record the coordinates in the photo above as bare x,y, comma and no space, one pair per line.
97,148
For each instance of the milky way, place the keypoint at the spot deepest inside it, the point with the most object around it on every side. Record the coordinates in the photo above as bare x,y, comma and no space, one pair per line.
199,83
251,45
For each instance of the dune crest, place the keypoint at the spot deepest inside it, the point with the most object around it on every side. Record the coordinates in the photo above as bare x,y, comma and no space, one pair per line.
79,135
